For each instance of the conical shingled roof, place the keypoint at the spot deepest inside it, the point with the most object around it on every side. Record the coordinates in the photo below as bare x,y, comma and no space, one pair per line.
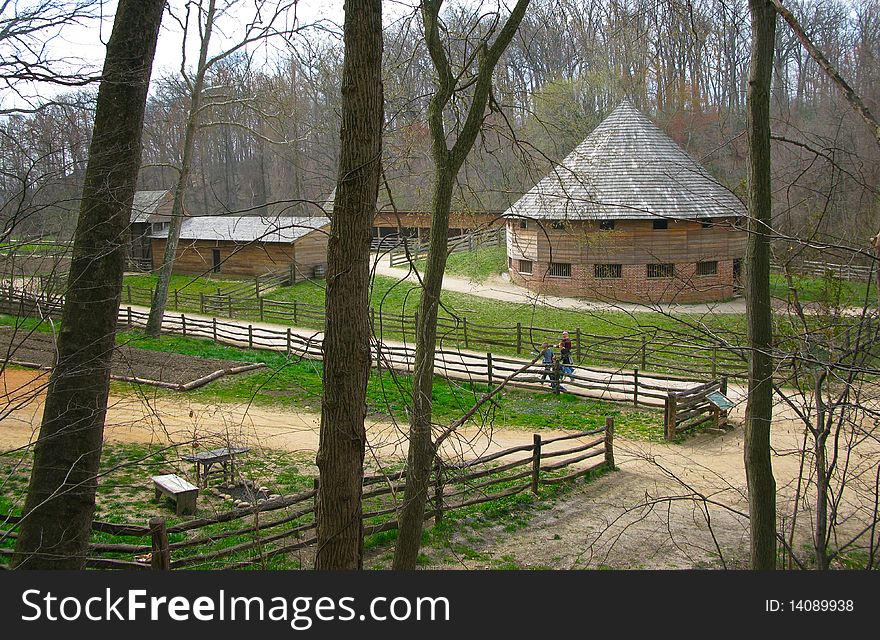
627,168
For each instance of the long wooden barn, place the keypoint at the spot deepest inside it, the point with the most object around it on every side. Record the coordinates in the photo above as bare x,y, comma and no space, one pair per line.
628,216
248,246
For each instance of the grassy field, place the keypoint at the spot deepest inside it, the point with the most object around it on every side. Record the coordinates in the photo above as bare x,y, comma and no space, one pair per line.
829,290
478,265
394,297
297,385
184,283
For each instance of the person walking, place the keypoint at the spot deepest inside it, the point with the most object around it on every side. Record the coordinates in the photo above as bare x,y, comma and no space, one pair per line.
547,360
565,352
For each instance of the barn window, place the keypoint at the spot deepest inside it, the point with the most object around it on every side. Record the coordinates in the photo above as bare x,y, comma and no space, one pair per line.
525,266
707,268
661,224
607,271
558,224
523,224
663,270
606,225
215,260
560,270
510,263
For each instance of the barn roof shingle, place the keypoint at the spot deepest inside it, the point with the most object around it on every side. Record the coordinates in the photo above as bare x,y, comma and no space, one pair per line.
627,168
247,228
145,204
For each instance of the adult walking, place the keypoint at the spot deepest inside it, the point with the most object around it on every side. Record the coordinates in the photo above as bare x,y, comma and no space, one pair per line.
565,352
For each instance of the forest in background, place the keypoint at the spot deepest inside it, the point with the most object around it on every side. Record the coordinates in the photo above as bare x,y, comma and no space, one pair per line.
269,142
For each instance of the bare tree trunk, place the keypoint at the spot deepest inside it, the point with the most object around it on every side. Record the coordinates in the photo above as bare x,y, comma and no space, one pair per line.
347,328
447,163
61,495
160,297
759,409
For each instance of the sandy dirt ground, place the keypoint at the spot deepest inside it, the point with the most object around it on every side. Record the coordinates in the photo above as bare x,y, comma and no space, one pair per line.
662,509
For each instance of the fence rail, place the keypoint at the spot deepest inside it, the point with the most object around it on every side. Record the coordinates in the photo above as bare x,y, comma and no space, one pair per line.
286,524
466,242
820,269
623,384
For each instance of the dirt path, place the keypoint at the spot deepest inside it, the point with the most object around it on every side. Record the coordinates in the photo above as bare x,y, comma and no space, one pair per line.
148,418
642,516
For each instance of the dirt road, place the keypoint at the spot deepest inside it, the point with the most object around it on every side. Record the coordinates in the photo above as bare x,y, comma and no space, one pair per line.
643,516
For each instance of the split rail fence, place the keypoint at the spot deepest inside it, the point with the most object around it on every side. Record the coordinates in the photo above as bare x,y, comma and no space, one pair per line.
405,253
252,535
623,385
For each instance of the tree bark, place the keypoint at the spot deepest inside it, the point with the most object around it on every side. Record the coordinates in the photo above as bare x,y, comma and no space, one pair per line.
759,409
347,328
447,163
160,297
61,495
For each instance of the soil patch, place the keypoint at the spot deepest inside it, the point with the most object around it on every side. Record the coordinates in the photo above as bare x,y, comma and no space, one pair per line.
131,362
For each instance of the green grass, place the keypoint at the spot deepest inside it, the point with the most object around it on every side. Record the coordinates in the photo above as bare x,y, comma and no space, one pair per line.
193,285
478,265
125,495
394,297
297,384
829,290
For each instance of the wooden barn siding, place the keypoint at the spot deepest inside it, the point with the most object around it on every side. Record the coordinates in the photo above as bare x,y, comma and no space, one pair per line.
311,251
631,242
250,259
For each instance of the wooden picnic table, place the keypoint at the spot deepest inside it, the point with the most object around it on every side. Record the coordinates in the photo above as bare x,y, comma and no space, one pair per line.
225,457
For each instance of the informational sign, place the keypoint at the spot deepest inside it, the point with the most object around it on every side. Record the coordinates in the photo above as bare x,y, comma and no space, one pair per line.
719,400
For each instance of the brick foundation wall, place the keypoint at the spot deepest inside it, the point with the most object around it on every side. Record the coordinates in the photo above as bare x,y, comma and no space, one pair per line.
633,285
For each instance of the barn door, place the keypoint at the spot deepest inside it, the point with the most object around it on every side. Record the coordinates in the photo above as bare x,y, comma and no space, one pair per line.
215,255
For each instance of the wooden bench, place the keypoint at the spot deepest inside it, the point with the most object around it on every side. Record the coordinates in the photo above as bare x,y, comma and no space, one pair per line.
224,457
179,490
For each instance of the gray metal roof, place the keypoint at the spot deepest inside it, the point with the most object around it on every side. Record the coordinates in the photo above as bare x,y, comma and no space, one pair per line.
627,168
247,228
145,205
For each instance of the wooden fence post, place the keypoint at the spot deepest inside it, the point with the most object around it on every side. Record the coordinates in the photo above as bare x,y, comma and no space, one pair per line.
518,338
724,385
288,342
257,286
214,327
609,441
250,336
671,410
644,352
161,556
201,302
536,463
128,288
183,323
465,333
636,387
294,311
261,309
438,492
577,337
229,298
176,300
129,318
489,366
